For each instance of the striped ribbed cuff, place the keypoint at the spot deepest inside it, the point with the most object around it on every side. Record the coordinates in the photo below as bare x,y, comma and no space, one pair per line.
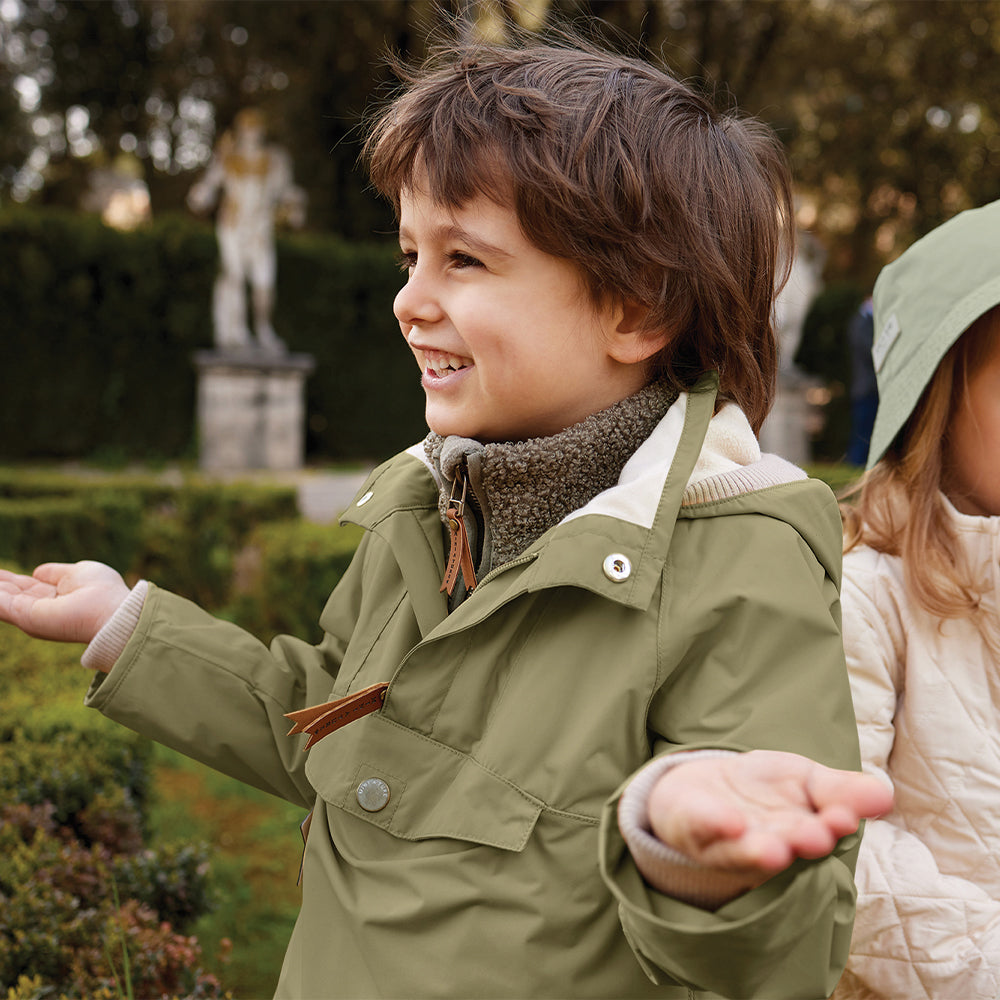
665,869
108,644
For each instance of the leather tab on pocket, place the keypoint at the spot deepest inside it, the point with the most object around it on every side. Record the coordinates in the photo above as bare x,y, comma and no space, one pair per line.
321,720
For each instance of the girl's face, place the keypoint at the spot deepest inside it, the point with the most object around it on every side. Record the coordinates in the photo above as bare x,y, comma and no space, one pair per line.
972,441
509,342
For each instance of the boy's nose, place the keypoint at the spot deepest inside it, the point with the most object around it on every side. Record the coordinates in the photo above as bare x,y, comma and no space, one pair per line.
416,304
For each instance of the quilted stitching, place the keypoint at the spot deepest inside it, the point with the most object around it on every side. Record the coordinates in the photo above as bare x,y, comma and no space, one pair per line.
928,923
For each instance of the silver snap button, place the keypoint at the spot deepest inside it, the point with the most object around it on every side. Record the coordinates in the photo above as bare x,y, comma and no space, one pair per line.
373,794
365,499
617,567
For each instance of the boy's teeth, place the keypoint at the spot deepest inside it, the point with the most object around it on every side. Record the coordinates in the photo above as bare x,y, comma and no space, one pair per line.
441,364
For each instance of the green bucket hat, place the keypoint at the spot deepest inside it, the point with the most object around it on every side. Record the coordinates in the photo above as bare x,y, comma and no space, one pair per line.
924,301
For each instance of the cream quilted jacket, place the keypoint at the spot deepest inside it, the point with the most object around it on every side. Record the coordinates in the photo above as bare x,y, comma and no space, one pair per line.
927,697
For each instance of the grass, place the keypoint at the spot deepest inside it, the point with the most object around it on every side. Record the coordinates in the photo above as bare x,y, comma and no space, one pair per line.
836,475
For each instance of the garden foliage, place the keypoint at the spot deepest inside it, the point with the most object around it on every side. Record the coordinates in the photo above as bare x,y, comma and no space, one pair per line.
100,327
289,569
183,537
80,887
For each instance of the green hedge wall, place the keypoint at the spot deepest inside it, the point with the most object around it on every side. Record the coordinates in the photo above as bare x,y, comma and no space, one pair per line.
185,537
824,351
239,549
290,569
100,327
66,529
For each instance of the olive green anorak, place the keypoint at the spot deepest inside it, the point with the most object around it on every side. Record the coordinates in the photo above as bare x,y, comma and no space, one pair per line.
512,724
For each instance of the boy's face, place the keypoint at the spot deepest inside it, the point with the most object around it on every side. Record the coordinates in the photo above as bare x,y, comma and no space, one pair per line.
509,342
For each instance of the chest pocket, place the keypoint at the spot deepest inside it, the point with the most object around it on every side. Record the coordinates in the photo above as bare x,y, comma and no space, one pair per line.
418,789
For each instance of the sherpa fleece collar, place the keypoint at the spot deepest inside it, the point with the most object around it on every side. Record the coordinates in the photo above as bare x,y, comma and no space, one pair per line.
523,488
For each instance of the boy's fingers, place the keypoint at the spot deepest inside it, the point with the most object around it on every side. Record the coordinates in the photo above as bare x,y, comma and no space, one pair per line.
864,794
702,820
51,572
816,837
15,582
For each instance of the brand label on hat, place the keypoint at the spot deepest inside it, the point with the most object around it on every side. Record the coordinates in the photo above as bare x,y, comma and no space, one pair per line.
890,331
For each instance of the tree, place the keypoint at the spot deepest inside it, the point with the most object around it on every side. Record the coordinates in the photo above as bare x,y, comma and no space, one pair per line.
888,108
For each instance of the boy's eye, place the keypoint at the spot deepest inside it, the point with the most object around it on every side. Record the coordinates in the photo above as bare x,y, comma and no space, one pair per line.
406,260
460,259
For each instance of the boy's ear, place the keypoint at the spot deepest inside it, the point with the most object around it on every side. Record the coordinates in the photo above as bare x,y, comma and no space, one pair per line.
630,344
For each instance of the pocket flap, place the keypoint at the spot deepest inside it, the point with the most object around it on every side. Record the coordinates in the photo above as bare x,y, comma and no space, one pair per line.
422,788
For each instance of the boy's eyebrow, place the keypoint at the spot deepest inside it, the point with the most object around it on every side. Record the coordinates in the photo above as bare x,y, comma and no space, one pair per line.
457,234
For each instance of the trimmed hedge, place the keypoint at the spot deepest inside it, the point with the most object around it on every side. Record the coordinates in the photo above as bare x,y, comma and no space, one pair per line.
67,529
183,537
100,327
189,543
824,351
77,883
289,570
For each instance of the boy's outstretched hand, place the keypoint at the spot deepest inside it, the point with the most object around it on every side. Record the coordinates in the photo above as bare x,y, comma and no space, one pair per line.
757,812
68,602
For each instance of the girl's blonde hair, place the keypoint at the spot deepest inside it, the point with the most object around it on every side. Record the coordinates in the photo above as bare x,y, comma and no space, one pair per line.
897,507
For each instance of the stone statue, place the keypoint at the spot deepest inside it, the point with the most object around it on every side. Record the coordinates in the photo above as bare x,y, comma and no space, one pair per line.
257,190
794,417
805,282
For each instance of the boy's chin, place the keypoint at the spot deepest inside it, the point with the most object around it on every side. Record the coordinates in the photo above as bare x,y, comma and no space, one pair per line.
467,426
450,425
450,429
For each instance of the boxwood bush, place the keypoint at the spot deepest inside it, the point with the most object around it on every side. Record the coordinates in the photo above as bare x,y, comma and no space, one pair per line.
184,537
288,572
78,885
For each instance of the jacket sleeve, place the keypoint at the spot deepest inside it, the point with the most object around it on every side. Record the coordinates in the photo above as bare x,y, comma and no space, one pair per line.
751,657
919,932
207,688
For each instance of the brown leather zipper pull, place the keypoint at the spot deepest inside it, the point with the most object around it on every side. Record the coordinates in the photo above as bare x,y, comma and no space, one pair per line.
321,720
459,549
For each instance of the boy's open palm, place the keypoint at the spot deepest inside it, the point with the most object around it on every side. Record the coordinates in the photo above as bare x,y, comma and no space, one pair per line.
67,602
757,812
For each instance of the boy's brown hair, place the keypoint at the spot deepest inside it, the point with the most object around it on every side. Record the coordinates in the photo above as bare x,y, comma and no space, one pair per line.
618,167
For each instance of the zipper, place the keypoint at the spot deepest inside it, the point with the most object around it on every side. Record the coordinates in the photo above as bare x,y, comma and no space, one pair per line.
459,548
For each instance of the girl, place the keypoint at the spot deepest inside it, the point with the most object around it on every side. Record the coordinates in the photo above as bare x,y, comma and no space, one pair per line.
921,625
584,726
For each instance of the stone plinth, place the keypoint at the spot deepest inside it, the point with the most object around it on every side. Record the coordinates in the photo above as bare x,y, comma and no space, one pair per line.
251,409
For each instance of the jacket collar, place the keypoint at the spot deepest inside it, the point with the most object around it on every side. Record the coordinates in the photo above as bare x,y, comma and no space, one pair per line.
614,546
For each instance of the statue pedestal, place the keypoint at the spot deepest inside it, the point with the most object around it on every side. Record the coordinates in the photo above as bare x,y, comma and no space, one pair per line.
251,409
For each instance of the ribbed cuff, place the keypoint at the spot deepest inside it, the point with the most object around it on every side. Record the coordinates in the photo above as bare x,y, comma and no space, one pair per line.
108,644
665,869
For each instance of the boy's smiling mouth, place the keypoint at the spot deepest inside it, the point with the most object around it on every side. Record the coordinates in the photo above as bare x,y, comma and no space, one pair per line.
440,364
